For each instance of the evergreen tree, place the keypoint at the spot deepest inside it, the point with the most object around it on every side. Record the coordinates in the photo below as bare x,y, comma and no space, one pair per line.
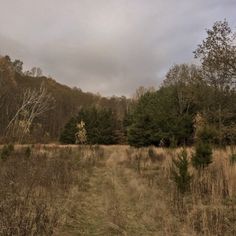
106,127
203,155
156,119
98,123
204,136
141,130
68,134
180,173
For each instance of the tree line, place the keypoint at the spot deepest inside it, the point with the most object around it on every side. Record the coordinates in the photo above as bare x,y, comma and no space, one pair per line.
35,109
191,96
190,93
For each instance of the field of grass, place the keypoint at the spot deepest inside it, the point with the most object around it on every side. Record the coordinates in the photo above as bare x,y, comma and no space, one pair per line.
112,190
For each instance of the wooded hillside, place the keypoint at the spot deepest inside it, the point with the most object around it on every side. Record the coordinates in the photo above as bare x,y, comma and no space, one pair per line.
193,101
66,102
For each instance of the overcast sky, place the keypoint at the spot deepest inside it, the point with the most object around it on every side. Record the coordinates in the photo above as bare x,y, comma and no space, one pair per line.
107,46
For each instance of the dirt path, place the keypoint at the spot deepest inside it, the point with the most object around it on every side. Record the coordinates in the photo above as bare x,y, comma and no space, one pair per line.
118,202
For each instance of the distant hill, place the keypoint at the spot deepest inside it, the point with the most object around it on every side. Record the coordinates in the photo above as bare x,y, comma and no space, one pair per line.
68,101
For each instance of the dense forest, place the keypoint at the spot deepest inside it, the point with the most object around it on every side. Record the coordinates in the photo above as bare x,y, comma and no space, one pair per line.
35,108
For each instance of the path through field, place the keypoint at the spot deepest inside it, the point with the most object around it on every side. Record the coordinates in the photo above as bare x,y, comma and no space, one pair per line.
118,202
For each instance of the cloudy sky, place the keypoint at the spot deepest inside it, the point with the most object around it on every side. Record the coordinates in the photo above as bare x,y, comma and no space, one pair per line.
107,46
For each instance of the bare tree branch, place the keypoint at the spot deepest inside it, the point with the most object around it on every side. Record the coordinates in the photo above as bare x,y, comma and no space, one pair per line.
34,104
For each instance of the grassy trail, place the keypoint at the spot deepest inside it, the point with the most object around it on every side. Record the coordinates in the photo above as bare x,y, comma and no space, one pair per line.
118,202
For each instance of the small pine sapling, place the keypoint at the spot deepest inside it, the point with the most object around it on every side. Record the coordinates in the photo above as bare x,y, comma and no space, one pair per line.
180,172
203,155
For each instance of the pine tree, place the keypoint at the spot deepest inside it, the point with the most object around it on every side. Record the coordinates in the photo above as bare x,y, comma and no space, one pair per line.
204,136
180,173
99,127
203,155
68,134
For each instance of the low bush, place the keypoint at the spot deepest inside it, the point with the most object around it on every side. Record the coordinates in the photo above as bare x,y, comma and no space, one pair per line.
203,155
232,159
6,151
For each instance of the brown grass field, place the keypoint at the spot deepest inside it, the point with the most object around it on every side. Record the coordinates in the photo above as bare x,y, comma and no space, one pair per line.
113,190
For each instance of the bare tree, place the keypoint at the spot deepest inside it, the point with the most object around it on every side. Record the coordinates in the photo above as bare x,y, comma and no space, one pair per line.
184,79
34,104
141,91
218,55
18,66
34,72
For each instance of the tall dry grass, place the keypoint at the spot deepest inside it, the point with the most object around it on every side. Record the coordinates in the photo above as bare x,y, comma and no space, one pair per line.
113,190
36,185
210,206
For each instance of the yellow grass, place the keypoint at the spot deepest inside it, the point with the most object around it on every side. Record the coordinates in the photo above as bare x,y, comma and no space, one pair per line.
120,190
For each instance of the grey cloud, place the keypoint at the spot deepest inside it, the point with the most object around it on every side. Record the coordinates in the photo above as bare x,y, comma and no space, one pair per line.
107,46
